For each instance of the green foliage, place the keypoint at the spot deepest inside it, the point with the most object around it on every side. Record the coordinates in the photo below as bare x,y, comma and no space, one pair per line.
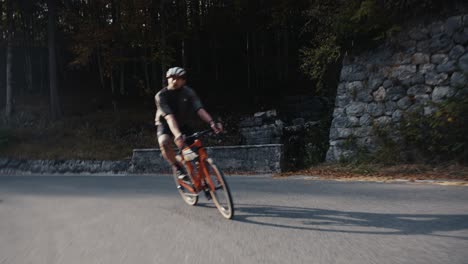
369,24
340,27
440,136
316,59
389,151
337,27
306,146
360,154
365,10
435,138
316,143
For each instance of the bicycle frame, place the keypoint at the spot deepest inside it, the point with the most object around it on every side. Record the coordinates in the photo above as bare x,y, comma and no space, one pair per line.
200,179
205,177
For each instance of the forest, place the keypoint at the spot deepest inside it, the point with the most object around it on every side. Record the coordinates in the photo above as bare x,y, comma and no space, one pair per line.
78,77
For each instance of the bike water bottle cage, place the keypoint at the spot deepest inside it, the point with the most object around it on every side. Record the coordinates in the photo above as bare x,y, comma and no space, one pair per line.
189,154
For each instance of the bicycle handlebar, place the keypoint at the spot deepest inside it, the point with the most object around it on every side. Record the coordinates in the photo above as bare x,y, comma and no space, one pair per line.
198,134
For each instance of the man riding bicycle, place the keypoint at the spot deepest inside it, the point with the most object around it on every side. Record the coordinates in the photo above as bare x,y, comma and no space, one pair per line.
175,104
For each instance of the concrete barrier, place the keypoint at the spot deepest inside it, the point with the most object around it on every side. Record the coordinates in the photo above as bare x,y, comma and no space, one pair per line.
247,158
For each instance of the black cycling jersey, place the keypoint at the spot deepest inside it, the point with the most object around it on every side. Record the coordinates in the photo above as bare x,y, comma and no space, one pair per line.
182,103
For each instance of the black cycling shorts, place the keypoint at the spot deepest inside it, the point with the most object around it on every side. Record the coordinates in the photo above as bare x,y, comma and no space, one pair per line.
163,129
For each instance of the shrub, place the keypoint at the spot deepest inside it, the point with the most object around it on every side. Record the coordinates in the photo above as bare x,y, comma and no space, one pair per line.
306,146
440,136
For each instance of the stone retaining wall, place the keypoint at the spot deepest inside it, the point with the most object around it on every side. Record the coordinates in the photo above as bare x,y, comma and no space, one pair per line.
270,127
13,166
421,67
237,159
262,128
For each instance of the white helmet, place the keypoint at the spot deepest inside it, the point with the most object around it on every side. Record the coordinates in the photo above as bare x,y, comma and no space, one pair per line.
175,71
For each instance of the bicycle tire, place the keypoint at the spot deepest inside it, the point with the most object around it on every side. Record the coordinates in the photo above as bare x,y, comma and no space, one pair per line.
188,197
221,195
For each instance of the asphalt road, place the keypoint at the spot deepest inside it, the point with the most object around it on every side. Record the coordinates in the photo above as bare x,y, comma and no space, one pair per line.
141,219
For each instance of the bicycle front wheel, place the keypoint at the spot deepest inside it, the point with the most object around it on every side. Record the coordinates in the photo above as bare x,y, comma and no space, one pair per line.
221,194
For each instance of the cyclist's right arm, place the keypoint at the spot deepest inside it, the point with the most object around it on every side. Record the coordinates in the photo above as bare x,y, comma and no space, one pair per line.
166,112
174,127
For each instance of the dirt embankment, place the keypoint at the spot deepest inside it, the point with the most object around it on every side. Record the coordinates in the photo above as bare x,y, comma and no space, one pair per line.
447,174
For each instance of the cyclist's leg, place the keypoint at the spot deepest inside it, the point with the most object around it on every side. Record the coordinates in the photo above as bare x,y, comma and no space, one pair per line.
180,173
165,144
167,151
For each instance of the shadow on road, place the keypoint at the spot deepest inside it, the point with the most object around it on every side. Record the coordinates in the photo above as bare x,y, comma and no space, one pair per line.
302,218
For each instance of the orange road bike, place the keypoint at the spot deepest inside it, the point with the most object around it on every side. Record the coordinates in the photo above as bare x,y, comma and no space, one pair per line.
205,177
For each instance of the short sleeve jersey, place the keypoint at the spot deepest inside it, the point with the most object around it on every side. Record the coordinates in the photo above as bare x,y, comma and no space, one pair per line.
182,103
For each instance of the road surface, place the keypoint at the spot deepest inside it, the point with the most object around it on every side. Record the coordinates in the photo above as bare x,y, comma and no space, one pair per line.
142,219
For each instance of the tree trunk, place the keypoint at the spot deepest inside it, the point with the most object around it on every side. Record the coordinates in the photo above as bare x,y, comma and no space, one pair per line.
117,16
154,74
198,50
215,58
100,69
193,20
183,20
183,55
9,82
155,29
113,96
247,48
162,22
26,19
54,98
286,53
115,9
254,61
42,71
279,57
122,77
263,64
28,69
146,72
9,63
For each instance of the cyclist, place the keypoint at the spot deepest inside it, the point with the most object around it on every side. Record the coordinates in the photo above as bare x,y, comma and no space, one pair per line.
174,106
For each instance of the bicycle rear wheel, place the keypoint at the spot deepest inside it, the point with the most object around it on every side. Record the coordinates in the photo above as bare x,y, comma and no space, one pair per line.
221,195
189,197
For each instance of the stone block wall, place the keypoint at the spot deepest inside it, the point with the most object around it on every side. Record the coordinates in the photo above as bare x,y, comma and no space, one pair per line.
424,64
231,159
236,159
52,167
261,128
300,125
294,111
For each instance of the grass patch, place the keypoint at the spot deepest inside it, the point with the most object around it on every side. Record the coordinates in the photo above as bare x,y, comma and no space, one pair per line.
89,135
103,135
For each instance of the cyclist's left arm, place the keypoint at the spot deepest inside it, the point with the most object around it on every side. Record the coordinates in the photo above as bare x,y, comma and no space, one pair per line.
205,116
202,113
